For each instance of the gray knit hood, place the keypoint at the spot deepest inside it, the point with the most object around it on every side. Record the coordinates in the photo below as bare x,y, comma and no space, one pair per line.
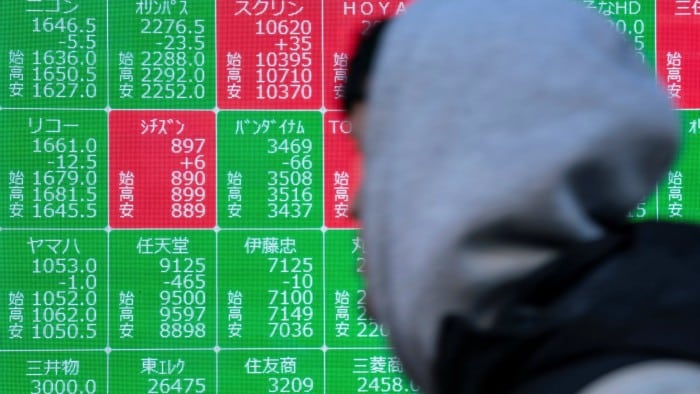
498,134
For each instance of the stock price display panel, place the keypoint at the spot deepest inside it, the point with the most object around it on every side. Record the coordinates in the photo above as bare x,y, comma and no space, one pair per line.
176,183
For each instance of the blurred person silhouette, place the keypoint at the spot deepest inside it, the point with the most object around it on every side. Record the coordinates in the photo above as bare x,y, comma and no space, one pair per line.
504,144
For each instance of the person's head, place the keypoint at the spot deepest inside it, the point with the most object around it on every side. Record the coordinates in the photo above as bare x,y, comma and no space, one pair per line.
359,74
357,85
497,134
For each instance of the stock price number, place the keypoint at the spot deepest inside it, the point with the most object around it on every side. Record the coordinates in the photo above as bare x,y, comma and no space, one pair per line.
177,385
187,194
290,195
182,309
385,384
63,386
284,384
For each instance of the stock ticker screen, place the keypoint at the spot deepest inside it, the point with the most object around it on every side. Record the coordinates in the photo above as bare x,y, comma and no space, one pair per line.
176,183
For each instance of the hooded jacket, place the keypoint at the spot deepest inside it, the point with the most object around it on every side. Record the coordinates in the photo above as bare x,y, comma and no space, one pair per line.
499,134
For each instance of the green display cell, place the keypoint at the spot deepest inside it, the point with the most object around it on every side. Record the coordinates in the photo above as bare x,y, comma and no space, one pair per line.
162,56
679,189
53,291
162,289
54,54
366,371
635,19
54,372
270,169
270,289
273,371
54,168
190,372
347,319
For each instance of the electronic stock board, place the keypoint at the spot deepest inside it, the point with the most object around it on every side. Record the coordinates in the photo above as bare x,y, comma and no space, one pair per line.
177,179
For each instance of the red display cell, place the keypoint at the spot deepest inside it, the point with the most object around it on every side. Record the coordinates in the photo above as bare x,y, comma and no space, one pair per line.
342,171
345,22
677,56
269,54
162,171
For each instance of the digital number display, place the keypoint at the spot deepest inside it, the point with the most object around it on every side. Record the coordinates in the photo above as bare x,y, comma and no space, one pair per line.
177,181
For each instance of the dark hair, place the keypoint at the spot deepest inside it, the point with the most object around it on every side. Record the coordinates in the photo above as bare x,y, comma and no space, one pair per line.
360,66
